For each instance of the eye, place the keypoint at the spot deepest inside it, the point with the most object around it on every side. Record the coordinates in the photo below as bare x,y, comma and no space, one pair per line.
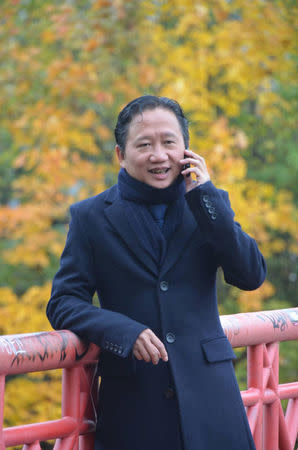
144,144
169,142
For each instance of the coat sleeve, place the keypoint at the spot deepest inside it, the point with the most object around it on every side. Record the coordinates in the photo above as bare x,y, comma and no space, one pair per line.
70,306
236,252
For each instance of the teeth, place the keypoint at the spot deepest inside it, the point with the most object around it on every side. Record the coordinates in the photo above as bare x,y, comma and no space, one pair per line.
159,171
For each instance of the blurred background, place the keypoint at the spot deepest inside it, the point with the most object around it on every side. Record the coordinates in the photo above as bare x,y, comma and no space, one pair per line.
68,67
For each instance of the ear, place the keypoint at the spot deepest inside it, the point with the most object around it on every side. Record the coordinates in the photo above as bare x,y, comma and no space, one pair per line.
120,156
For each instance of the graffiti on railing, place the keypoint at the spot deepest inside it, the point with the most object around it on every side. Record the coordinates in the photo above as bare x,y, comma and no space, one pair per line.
12,346
81,355
232,327
278,319
41,347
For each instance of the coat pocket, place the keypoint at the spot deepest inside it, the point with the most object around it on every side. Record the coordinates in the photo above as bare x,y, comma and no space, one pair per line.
217,349
110,365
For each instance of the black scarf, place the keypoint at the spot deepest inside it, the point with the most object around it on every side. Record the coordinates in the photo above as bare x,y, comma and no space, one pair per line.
138,197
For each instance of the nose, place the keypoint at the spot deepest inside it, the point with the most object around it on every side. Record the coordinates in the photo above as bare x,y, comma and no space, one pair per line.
159,154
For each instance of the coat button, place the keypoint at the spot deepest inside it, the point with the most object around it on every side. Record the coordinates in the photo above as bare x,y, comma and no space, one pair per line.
213,217
211,210
164,286
169,393
205,198
208,204
170,337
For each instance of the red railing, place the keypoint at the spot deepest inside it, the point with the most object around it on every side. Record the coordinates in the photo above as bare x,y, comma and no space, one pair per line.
261,332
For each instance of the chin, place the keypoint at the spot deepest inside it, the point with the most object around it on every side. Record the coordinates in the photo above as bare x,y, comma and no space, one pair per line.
161,184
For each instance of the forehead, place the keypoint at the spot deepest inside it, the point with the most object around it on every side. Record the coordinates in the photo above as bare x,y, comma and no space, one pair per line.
157,120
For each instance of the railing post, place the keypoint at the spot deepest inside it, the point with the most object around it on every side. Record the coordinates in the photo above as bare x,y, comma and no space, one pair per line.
70,406
270,383
255,381
89,390
291,423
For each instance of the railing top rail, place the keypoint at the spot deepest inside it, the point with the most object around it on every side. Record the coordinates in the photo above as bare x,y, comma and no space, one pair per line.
260,327
34,352
21,353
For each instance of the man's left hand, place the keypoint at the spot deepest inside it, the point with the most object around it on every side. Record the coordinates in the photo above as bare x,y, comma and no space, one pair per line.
198,168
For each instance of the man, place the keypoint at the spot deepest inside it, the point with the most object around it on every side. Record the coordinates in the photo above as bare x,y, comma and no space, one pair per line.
151,246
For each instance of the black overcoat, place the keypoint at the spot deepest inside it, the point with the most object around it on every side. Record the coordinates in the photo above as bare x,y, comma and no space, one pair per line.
195,394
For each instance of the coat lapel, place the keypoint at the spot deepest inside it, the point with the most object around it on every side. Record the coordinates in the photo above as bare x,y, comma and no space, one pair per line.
116,215
180,239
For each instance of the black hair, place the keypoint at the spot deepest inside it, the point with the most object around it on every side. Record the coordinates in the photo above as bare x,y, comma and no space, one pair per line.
140,104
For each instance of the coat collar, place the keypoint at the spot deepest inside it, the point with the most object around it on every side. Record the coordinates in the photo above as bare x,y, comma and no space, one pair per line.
115,214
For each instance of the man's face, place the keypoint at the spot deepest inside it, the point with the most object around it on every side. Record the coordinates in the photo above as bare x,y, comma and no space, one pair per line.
154,148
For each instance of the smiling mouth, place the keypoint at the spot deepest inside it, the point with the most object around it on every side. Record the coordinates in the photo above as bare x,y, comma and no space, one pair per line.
159,171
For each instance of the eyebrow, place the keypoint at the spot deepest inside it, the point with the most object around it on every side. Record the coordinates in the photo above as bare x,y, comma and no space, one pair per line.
142,138
170,134
148,137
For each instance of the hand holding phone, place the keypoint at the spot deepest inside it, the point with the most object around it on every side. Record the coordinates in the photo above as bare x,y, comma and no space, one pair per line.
197,167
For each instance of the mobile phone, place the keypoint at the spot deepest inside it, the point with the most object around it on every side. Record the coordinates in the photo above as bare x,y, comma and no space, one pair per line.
186,166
